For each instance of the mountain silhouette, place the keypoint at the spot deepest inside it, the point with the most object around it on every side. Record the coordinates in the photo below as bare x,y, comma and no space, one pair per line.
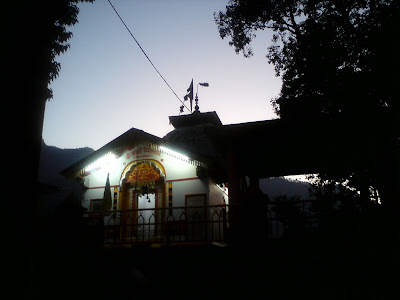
53,160
55,188
276,186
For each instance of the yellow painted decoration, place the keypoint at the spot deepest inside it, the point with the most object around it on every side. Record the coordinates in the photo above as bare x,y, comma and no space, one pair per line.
144,174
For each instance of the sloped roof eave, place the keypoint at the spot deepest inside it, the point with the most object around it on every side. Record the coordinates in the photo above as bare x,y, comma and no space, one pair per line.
131,137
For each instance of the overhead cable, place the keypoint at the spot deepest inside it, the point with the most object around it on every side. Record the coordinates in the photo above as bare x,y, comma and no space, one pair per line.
147,55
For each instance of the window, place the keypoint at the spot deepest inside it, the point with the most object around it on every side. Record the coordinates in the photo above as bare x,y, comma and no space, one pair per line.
96,206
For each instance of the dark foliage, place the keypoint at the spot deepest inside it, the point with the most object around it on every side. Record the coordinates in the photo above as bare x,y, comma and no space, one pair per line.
33,34
336,59
38,33
334,56
55,17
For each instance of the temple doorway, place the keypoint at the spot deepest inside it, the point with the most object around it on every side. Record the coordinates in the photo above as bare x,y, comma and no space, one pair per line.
146,215
143,200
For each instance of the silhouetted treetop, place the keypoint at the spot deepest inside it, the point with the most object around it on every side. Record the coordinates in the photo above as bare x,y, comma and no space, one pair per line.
65,13
38,34
334,56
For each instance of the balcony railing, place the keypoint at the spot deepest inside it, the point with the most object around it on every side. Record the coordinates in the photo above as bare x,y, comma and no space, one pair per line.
188,224
163,225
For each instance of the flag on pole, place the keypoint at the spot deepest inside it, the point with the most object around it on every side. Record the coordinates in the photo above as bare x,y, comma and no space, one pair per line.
189,95
107,195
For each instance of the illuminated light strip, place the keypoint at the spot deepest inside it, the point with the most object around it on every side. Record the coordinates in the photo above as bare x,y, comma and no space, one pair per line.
174,153
101,162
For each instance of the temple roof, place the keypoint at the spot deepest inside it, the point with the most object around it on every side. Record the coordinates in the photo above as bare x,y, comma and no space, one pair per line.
129,139
192,132
196,118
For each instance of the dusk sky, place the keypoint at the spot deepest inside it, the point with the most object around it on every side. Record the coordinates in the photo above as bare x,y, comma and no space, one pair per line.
106,85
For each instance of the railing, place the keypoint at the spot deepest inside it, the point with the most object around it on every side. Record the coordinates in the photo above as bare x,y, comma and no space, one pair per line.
297,219
290,219
163,225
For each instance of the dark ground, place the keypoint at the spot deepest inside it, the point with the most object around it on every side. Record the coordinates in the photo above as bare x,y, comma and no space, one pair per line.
328,269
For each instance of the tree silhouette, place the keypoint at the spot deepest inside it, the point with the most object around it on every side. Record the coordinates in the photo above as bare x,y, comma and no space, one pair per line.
33,34
334,56
336,59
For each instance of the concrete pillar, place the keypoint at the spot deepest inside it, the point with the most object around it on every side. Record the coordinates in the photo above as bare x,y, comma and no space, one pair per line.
234,196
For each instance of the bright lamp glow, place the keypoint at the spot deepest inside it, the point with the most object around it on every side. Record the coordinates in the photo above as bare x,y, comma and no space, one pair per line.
103,162
173,153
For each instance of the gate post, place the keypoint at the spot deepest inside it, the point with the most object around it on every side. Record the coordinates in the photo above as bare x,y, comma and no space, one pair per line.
235,199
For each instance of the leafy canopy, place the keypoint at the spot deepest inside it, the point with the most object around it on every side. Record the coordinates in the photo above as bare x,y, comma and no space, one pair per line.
57,15
334,56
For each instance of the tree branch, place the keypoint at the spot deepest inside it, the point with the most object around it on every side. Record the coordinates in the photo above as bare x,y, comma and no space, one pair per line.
294,24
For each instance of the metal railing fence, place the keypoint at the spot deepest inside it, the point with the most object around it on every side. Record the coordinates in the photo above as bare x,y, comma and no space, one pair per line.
285,219
163,225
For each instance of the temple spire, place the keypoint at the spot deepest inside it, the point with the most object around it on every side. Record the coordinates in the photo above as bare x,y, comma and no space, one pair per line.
189,96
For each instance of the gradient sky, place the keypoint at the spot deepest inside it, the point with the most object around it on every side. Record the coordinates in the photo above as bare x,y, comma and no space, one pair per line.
106,85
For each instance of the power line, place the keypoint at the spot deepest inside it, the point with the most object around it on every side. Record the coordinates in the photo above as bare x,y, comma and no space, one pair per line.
147,56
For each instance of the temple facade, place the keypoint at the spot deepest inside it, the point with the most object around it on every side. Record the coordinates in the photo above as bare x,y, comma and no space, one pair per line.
143,188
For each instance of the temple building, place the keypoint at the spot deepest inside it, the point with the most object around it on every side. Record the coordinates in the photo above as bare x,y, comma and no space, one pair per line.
143,188
140,188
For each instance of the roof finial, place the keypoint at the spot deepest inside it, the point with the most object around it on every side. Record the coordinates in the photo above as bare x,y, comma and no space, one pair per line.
196,107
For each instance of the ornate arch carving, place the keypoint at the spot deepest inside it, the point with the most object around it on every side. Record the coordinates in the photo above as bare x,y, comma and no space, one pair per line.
142,171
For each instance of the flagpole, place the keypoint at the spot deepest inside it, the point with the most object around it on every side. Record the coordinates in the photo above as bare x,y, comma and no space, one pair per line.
189,96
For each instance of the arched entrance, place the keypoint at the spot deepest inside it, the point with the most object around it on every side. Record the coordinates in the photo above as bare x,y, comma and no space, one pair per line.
142,200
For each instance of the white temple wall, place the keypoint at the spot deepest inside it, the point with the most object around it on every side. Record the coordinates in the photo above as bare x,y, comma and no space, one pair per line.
178,169
217,195
91,194
189,187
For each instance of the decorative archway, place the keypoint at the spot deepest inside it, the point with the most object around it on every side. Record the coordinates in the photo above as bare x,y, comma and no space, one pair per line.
140,178
129,168
143,175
